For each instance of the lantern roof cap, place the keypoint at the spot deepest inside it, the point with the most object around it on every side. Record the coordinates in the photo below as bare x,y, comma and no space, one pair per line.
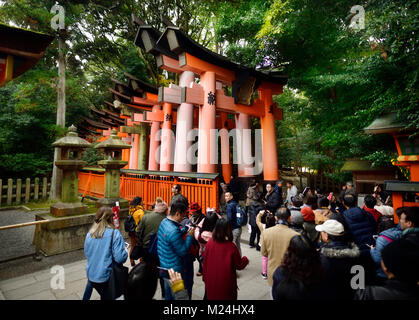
386,123
71,140
113,142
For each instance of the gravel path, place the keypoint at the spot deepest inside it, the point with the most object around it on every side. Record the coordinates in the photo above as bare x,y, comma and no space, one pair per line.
16,242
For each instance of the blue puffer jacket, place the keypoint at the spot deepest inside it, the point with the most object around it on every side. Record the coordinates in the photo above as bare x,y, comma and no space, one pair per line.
171,246
380,243
362,226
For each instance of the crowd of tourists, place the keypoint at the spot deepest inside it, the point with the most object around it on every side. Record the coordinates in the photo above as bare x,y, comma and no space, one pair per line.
313,246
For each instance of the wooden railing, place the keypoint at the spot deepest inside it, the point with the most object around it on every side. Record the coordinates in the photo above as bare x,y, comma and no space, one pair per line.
201,188
16,192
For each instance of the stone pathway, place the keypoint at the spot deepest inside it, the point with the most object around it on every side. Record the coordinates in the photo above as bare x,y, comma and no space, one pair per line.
17,242
37,285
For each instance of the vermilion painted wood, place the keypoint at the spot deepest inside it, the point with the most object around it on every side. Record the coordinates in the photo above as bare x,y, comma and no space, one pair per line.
199,67
270,160
205,191
225,147
143,102
153,155
207,145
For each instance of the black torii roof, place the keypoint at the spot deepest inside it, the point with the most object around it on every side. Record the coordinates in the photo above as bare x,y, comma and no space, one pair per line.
26,46
174,41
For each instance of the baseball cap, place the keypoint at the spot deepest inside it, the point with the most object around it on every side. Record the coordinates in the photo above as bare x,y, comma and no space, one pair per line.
332,227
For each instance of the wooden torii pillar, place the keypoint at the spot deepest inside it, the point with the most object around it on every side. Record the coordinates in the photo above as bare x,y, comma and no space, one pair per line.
165,119
263,108
138,154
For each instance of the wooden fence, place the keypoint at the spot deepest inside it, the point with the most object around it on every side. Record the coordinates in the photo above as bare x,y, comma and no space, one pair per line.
201,188
14,191
324,183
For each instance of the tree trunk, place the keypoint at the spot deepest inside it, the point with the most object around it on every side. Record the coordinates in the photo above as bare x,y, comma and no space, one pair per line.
300,166
57,174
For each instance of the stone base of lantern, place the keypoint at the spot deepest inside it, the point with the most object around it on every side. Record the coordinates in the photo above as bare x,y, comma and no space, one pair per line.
65,234
63,209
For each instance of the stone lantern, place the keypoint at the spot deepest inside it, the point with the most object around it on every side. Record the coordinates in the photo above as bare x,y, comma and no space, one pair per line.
72,148
112,149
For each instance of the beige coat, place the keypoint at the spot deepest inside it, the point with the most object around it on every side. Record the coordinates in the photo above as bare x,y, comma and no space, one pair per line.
274,243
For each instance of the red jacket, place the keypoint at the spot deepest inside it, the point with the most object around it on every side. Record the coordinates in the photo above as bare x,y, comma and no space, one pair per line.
221,260
375,213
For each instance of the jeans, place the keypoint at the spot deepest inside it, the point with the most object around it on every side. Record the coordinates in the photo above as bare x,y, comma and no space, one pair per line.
168,292
88,291
254,234
236,238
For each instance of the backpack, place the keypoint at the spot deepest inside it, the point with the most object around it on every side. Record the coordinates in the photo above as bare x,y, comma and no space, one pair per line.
241,216
129,224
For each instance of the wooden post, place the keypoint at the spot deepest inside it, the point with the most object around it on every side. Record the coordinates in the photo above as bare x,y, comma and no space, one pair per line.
18,190
44,188
9,191
28,190
36,192
57,174
37,256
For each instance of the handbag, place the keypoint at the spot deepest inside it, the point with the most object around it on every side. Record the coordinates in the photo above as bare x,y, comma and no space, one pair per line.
137,251
118,279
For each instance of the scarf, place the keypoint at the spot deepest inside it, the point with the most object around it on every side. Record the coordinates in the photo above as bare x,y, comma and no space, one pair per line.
285,223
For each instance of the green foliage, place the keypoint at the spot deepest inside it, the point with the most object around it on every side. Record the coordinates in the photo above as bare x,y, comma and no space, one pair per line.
99,37
380,158
344,78
92,156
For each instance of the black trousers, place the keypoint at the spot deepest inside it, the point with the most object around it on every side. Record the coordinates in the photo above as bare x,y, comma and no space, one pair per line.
254,234
102,289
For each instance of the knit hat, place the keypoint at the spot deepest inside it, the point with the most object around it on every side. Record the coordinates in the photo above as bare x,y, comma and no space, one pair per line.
332,227
194,207
307,213
401,258
160,207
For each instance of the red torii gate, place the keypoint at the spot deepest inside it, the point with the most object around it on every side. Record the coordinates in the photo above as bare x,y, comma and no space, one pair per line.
176,52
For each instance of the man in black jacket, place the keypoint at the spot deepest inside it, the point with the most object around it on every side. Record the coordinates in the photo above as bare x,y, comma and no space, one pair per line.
232,217
337,257
272,199
254,209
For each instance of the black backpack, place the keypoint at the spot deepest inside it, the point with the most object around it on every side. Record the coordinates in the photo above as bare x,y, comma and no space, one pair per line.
241,216
129,224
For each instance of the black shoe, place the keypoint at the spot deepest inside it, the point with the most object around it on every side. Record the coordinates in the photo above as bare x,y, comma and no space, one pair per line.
257,248
252,246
